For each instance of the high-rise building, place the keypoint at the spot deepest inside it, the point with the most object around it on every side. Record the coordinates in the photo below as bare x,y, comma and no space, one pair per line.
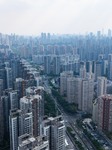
20,85
14,67
81,91
47,64
26,123
1,121
27,120
6,110
109,87
33,104
70,90
14,128
37,115
109,57
78,92
63,81
98,69
103,64
74,90
3,77
56,65
105,113
82,72
87,95
14,101
93,66
89,66
1,87
5,101
102,86
9,78
54,129
110,66
76,67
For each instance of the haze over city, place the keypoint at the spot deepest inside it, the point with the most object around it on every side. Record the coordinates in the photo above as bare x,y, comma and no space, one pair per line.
31,17
55,75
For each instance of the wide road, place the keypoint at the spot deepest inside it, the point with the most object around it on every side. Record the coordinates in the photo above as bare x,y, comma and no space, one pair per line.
70,120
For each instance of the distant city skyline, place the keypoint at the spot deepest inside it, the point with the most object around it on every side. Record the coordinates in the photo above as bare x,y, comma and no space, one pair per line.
31,17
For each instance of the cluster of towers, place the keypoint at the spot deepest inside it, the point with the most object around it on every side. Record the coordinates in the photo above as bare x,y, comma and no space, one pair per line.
84,64
22,109
91,89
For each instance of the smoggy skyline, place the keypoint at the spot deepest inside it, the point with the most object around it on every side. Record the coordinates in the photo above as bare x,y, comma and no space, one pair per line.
31,17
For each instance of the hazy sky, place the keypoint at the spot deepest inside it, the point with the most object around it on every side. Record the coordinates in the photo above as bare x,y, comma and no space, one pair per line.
54,16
